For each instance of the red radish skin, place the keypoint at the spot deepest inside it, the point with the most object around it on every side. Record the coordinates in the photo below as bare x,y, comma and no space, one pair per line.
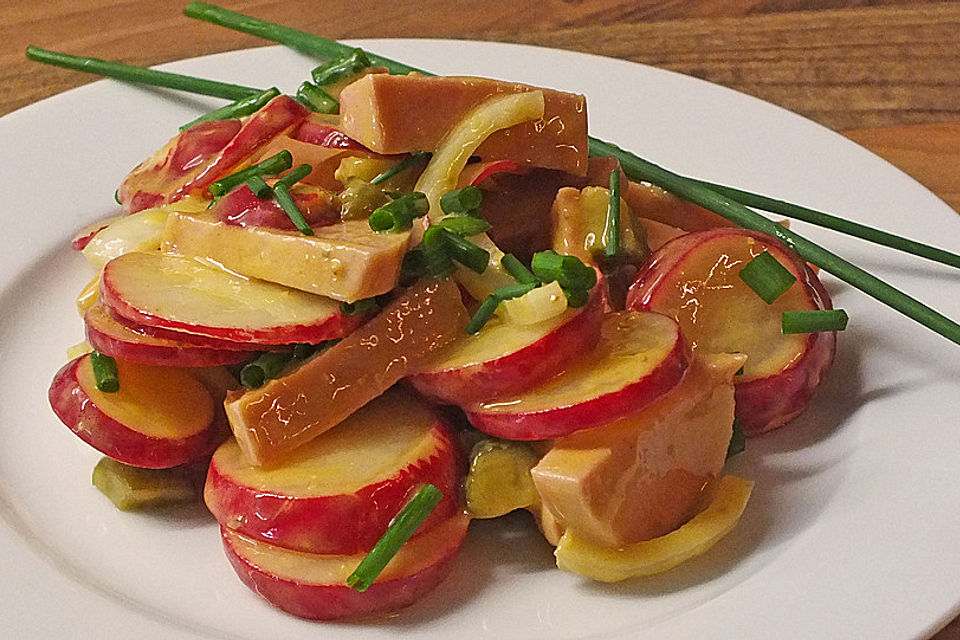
242,208
131,284
110,337
192,339
85,235
275,118
638,390
75,408
338,523
773,396
177,163
520,369
325,135
337,601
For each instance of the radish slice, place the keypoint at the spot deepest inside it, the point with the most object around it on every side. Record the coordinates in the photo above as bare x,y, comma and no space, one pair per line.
171,292
639,358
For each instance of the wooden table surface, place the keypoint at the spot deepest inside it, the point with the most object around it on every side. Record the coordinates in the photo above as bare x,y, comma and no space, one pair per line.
884,72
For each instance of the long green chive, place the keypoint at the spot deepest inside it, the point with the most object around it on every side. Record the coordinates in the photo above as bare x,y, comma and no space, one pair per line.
569,271
635,167
281,193
401,529
464,225
435,253
236,109
105,372
462,200
340,69
294,176
611,234
767,277
829,221
398,215
639,169
516,269
254,374
141,75
813,321
512,291
259,187
316,99
360,307
483,314
412,159
273,165
738,441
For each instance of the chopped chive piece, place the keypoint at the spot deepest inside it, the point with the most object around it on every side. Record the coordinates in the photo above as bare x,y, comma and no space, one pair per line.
462,200
512,291
282,195
236,109
141,75
740,371
316,99
403,165
401,528
486,310
399,214
295,176
116,196
464,225
516,269
105,372
254,374
303,351
611,234
738,441
341,68
813,321
465,252
436,258
569,271
576,298
273,165
359,307
767,277
259,187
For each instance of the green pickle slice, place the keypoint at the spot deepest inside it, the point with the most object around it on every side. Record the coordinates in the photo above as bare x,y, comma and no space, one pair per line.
133,488
499,479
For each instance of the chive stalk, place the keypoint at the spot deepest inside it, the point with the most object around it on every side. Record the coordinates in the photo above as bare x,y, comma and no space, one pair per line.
611,234
401,529
273,165
465,252
835,223
105,372
738,440
259,187
399,214
569,271
461,201
316,99
767,277
813,321
403,165
281,193
489,306
254,374
296,175
141,75
237,108
334,71
464,225
517,269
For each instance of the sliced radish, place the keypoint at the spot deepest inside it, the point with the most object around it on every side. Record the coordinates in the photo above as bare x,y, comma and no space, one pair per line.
314,586
639,358
508,358
338,493
171,292
161,417
116,339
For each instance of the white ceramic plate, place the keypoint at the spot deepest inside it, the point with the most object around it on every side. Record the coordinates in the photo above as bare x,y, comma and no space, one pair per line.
852,532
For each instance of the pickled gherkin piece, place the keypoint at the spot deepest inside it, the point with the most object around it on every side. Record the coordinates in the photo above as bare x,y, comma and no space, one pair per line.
132,488
499,478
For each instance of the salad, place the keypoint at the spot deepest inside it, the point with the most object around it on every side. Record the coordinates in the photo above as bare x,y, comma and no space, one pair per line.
600,384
